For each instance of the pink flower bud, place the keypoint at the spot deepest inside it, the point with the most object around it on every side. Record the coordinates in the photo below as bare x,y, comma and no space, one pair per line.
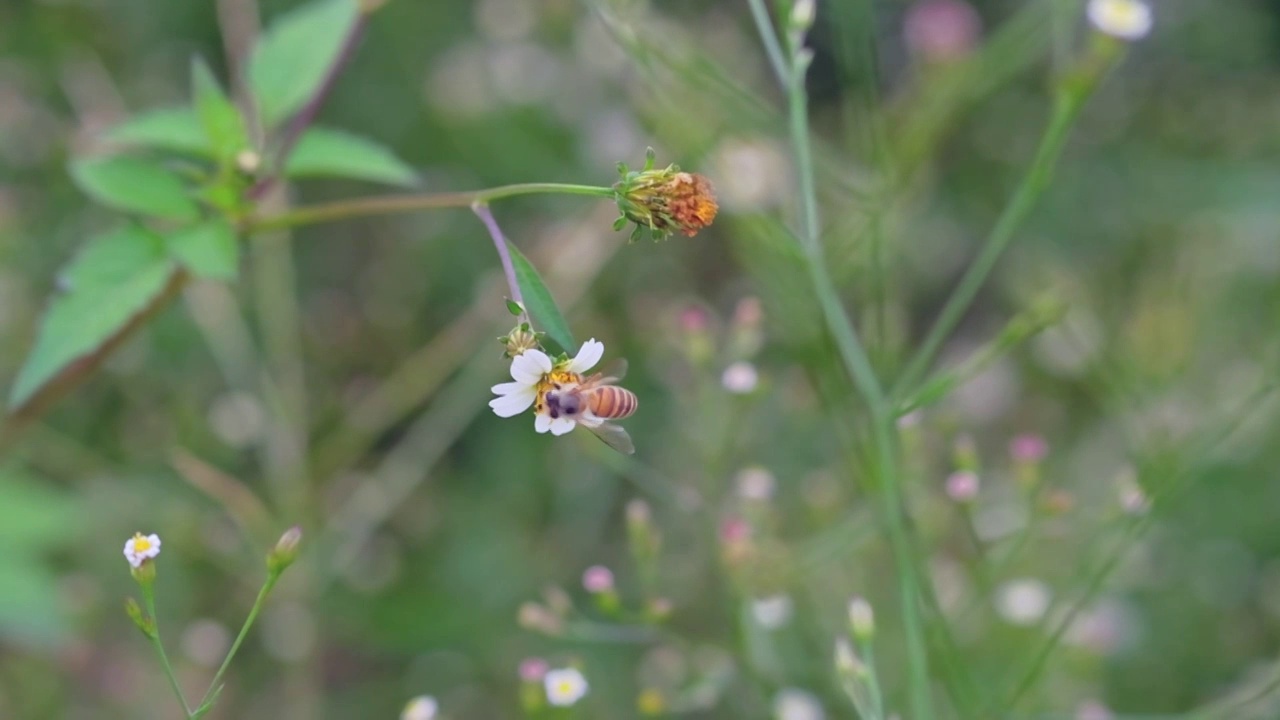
533,669
597,579
1028,447
941,30
962,486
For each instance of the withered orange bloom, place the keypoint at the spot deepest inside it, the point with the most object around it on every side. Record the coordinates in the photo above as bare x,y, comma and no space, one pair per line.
664,201
691,202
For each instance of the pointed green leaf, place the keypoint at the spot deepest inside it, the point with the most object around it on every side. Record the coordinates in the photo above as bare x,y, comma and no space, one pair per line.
221,119
322,152
116,278
537,298
173,129
293,57
209,250
134,185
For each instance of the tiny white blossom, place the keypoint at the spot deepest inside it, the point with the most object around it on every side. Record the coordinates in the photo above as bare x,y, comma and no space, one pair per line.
795,704
1023,601
740,378
772,612
1123,19
141,548
423,707
565,686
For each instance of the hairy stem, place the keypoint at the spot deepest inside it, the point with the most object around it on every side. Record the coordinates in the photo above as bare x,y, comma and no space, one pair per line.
391,204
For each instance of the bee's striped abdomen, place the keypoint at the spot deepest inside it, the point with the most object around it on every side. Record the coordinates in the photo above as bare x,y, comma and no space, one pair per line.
612,402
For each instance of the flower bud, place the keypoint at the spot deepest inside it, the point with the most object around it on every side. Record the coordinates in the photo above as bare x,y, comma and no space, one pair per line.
521,338
803,13
144,623
861,619
285,551
962,486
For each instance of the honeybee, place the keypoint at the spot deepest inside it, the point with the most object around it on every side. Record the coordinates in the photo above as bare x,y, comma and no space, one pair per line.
595,400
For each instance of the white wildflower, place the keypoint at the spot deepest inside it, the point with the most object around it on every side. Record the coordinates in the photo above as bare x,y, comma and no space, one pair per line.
1123,19
565,686
423,707
1023,601
795,704
533,372
772,612
140,548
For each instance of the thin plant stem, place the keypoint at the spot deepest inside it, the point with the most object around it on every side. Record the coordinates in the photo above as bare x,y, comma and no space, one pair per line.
391,204
772,48
857,364
212,692
299,123
500,244
1065,111
148,597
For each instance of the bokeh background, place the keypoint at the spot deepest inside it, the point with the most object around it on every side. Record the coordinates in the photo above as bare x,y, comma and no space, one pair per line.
341,385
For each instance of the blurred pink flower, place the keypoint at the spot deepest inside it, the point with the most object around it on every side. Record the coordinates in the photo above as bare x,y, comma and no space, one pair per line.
693,319
533,669
734,530
941,30
1028,447
1093,710
597,579
962,486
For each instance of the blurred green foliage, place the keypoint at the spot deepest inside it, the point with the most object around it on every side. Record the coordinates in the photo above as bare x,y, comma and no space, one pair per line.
340,383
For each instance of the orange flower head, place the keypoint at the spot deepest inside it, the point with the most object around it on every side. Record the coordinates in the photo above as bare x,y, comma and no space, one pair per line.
664,201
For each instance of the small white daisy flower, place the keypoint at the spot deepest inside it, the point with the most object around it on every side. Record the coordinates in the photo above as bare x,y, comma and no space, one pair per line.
1123,19
423,707
141,548
564,687
533,372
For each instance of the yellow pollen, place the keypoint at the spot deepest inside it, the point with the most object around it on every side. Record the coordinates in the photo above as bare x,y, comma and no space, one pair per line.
140,543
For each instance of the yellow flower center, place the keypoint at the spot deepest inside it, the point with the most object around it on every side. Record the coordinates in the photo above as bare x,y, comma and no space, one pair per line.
557,376
140,543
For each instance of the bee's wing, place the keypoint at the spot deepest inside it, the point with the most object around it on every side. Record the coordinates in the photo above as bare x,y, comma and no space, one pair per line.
610,375
615,437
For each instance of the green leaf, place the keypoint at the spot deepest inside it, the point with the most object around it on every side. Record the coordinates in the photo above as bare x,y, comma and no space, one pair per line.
322,152
113,280
537,298
221,119
173,129
209,250
135,185
293,57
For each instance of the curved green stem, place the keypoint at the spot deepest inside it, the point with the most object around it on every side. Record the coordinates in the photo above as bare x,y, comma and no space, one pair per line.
857,363
148,598
212,692
1034,183
390,204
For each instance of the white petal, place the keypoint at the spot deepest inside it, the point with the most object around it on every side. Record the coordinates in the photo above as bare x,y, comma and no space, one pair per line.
560,426
154,539
588,355
542,423
513,404
508,388
529,366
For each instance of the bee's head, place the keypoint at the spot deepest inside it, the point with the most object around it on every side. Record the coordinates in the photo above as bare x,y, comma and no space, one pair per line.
560,402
